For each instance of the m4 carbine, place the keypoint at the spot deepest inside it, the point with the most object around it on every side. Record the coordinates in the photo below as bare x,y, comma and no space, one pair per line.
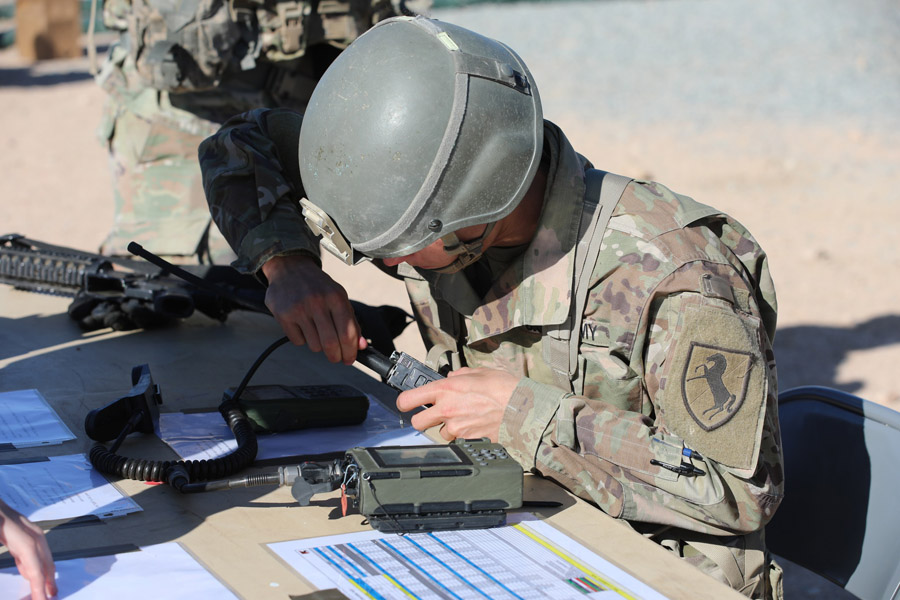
121,293
124,293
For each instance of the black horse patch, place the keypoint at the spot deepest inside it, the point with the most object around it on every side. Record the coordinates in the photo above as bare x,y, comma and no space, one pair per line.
714,383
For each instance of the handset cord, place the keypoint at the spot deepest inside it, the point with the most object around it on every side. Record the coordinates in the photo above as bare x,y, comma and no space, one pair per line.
186,475
180,474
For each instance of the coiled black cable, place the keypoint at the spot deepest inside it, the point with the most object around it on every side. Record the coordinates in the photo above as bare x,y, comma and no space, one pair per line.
180,473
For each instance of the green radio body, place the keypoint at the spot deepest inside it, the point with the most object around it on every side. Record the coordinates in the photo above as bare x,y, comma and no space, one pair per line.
465,484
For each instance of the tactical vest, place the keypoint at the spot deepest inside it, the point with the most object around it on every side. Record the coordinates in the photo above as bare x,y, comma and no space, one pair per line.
189,45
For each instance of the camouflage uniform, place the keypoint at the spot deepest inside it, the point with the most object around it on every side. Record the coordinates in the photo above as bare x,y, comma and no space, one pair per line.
153,133
674,350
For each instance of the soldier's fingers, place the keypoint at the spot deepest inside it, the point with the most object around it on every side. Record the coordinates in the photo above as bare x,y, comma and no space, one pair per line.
460,371
50,587
293,332
29,568
416,397
312,333
328,338
349,331
446,434
38,591
426,419
47,582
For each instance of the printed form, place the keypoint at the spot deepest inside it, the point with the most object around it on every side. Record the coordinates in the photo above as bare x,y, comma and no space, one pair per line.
26,419
526,561
61,487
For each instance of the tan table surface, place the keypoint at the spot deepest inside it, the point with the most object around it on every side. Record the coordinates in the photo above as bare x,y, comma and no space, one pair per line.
193,363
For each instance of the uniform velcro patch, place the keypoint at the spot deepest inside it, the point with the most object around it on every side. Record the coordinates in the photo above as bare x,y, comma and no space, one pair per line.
716,386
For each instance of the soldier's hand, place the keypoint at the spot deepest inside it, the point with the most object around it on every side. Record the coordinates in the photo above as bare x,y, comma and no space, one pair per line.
28,546
469,403
312,308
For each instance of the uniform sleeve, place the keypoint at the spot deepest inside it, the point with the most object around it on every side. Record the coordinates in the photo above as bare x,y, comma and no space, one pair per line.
252,184
600,444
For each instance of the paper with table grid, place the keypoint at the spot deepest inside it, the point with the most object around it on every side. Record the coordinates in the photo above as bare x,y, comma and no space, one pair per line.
528,560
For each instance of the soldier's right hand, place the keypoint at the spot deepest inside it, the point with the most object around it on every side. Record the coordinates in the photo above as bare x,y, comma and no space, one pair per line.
312,308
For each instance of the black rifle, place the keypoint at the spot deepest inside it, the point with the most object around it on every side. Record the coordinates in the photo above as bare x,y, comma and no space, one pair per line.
124,293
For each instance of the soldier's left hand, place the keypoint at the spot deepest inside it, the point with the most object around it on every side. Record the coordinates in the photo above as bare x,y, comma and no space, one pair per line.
469,403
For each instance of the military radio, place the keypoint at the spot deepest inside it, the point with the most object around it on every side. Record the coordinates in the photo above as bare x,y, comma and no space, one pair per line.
465,484
469,483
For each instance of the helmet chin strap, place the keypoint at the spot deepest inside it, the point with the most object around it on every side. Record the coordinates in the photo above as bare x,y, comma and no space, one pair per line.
466,252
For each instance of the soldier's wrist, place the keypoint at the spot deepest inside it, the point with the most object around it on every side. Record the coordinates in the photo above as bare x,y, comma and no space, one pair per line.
281,264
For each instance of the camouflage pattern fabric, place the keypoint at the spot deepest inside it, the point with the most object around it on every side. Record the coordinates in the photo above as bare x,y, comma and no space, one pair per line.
152,134
155,180
654,376
253,185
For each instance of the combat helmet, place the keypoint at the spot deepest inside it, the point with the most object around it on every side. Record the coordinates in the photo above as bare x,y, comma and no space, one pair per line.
418,129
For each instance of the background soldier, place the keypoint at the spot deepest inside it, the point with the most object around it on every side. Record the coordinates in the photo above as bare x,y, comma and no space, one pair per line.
615,341
179,70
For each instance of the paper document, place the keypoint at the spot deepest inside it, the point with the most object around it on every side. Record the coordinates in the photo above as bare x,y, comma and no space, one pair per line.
529,560
199,436
61,487
154,572
26,419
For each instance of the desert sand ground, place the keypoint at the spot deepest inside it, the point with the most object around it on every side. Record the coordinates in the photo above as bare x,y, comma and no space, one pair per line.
784,115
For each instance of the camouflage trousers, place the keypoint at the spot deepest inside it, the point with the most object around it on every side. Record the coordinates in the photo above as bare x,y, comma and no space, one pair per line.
740,562
157,187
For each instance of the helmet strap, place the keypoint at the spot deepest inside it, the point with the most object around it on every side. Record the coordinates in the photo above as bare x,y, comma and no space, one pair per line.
466,253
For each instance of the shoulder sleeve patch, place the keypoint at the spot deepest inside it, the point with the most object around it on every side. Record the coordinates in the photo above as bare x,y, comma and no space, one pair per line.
716,386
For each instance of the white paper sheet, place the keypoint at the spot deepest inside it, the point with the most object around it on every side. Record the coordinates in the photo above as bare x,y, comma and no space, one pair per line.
26,419
62,487
529,560
153,573
198,436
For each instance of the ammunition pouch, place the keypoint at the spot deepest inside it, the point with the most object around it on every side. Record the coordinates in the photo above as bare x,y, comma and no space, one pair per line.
191,45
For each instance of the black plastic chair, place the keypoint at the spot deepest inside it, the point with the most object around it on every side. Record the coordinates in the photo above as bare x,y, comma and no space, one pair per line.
841,514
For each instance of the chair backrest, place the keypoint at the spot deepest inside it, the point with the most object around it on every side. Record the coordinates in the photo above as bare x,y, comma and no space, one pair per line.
840,517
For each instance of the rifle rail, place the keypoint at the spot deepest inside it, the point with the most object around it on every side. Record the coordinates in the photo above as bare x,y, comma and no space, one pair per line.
43,271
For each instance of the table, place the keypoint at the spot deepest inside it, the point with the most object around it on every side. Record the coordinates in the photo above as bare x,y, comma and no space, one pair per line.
193,363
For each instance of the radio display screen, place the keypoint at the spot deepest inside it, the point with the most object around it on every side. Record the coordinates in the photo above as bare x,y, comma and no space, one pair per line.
412,456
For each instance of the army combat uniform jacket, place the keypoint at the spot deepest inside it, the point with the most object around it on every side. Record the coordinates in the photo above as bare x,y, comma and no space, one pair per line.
670,421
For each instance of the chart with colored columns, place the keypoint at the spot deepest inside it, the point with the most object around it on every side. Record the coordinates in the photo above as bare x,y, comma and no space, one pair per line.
526,561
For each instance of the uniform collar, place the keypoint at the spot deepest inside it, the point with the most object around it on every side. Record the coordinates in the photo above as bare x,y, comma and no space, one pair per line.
536,289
